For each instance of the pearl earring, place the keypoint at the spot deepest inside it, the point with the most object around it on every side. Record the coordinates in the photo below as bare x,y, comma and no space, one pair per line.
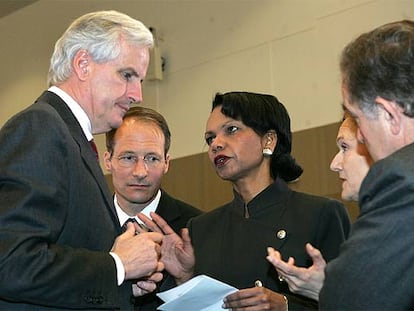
267,151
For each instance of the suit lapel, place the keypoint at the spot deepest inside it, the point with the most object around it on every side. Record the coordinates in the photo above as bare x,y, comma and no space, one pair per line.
167,208
85,149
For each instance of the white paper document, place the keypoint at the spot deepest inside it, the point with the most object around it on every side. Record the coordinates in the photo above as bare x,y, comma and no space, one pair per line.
201,293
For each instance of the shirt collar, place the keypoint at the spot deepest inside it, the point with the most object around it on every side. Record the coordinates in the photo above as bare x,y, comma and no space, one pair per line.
76,109
151,207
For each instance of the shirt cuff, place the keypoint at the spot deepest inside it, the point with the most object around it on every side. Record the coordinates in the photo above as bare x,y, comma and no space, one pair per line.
120,270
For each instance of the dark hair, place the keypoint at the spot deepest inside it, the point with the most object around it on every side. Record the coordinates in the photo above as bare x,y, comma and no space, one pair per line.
264,113
146,115
381,63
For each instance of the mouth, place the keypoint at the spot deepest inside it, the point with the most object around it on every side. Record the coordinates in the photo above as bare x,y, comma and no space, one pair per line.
124,107
220,161
139,186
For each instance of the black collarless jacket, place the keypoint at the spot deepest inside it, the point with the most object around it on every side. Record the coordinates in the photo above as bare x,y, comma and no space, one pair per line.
232,248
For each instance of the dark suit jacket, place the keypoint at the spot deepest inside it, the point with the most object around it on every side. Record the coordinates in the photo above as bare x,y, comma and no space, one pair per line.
233,249
57,220
176,213
375,268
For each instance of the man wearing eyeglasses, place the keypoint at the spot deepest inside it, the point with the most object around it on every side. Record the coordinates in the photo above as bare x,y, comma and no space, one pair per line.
137,157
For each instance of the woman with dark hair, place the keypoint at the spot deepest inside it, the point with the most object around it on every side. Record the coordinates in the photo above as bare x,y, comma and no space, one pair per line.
249,140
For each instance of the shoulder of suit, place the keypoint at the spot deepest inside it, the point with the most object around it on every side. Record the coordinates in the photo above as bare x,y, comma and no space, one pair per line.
179,204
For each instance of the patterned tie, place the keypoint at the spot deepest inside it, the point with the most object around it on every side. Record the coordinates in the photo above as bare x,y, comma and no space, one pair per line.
94,148
124,226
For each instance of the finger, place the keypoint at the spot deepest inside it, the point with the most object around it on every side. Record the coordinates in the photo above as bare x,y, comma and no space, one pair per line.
275,259
273,253
316,255
141,228
288,269
156,237
185,236
149,223
160,266
291,261
246,293
155,277
130,230
243,298
161,223
143,287
137,292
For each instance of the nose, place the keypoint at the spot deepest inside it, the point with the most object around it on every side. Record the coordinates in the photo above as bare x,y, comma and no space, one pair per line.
140,169
336,164
216,145
134,91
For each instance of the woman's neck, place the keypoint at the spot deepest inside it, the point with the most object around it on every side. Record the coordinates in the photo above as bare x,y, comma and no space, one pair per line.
249,188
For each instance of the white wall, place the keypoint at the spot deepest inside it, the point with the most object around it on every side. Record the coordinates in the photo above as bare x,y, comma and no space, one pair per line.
289,48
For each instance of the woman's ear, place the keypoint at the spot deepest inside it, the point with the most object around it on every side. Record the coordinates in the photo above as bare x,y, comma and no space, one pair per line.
269,141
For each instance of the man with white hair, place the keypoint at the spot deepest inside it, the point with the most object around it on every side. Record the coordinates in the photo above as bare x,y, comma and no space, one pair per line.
61,246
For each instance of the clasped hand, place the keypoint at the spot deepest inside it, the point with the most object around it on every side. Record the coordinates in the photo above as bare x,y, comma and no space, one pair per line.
177,253
140,255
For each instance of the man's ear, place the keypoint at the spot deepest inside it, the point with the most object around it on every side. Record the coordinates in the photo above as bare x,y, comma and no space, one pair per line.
81,64
107,161
167,163
393,114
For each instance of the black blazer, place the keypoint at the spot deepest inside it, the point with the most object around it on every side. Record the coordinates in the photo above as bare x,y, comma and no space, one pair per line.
176,213
375,268
57,219
233,249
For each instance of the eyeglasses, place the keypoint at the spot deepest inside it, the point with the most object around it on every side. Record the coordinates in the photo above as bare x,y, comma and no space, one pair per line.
131,160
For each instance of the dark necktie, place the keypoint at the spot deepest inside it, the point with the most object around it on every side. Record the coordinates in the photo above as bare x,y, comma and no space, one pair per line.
124,226
94,148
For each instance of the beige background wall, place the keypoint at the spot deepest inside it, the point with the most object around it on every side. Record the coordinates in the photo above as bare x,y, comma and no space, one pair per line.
288,48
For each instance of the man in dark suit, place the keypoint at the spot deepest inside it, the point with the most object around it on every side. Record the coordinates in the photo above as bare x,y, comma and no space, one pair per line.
137,157
375,269
61,246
